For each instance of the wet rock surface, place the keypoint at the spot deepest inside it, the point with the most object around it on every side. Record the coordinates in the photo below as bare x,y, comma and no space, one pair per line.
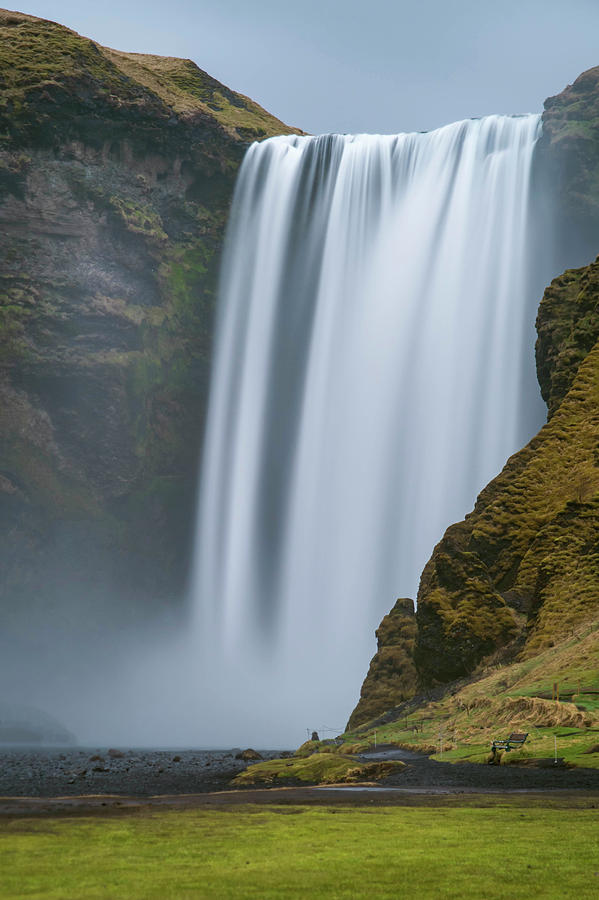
32,772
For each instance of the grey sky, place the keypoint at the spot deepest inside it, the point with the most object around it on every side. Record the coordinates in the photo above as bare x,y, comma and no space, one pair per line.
373,65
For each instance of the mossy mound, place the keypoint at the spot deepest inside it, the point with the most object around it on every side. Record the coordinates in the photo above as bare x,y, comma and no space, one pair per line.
318,768
310,747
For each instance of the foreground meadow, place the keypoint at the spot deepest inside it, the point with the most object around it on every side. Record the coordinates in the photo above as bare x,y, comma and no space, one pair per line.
493,848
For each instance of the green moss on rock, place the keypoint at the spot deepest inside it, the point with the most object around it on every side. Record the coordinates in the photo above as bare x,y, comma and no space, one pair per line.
527,550
318,768
392,674
568,327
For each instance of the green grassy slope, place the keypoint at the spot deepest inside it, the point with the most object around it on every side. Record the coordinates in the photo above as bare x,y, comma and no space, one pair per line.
42,60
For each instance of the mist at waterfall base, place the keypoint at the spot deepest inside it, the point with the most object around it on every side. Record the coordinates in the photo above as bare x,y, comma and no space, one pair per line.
374,369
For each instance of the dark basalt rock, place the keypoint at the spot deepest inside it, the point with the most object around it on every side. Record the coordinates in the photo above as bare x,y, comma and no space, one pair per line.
567,160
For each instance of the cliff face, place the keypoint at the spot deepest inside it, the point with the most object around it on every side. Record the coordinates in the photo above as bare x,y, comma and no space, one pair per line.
392,675
116,173
568,161
521,571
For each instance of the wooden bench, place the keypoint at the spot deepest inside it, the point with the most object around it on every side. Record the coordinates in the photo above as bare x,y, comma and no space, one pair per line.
514,742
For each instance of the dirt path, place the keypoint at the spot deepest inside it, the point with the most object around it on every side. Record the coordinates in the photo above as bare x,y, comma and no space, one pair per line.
427,774
333,796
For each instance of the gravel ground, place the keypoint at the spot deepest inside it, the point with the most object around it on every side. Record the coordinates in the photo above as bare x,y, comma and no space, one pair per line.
422,773
28,772
70,772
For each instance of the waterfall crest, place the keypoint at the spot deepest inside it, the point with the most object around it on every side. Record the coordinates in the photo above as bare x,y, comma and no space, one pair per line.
373,371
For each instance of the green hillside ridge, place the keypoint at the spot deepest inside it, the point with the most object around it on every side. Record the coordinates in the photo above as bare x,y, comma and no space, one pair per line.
44,62
116,176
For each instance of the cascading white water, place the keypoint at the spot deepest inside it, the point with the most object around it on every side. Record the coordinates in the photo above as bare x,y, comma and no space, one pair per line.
368,381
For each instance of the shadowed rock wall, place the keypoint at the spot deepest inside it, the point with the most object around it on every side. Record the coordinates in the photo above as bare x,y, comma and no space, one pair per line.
116,174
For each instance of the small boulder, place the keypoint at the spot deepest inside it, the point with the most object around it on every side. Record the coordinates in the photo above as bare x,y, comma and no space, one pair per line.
176,758
96,758
249,755
115,754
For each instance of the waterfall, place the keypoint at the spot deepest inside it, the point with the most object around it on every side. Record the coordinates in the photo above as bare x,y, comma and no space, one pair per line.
373,370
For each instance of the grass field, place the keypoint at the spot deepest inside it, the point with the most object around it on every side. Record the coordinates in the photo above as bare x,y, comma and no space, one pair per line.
511,848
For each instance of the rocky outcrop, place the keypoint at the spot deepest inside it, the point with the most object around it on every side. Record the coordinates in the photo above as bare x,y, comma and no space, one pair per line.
392,674
568,161
567,327
116,174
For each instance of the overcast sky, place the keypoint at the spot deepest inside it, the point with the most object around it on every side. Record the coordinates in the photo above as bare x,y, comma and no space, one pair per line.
360,65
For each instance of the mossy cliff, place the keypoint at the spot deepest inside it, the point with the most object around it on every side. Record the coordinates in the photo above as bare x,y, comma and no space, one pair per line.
392,674
521,572
116,174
